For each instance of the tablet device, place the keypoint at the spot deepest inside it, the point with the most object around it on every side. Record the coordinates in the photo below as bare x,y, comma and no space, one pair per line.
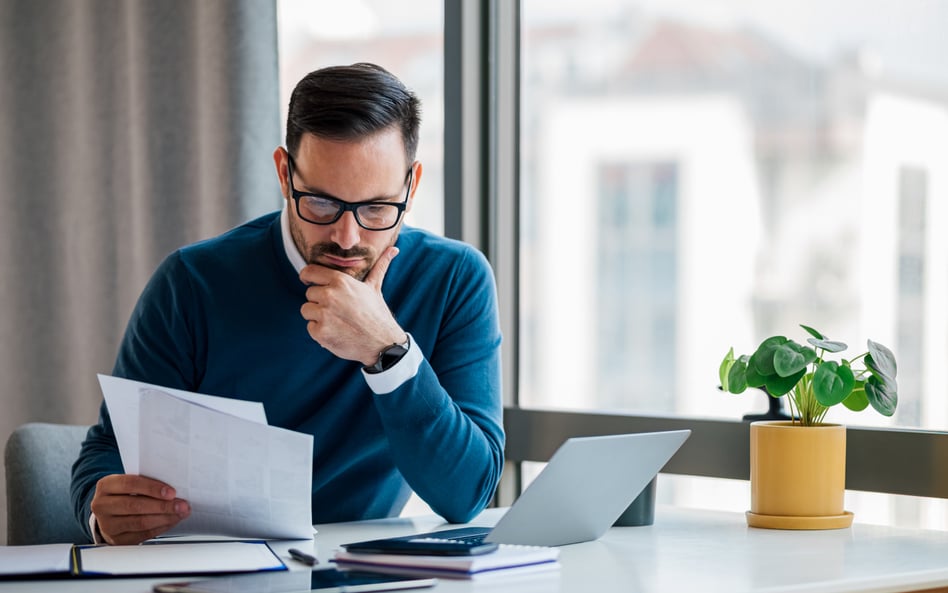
323,580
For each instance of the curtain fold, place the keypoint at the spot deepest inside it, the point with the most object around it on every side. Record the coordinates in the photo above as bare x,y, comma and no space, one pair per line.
127,129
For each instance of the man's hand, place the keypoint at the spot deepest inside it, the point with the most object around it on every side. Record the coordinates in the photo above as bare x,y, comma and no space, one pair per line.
130,509
347,317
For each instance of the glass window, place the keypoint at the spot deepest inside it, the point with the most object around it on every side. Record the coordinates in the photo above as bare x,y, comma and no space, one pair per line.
700,175
697,175
405,38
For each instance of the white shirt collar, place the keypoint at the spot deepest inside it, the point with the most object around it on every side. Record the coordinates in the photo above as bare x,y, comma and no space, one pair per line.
292,253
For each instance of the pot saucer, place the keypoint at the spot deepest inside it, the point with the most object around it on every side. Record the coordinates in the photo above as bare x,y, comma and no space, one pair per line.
789,522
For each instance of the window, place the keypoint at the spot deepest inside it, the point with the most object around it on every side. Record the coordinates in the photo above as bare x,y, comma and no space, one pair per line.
405,38
700,175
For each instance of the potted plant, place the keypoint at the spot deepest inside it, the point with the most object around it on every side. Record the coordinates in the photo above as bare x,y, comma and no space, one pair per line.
798,467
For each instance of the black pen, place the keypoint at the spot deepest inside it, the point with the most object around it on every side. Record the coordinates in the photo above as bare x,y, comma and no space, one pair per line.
301,556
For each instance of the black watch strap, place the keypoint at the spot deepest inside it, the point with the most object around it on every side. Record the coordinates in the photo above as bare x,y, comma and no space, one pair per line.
388,357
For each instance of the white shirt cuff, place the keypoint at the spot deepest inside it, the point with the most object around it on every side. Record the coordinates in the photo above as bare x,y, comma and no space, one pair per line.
94,528
389,380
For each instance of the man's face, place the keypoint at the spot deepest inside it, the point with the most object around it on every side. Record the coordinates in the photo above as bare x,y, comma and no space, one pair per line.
372,169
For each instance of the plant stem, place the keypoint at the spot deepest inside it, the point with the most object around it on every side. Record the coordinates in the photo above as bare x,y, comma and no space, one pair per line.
793,412
811,411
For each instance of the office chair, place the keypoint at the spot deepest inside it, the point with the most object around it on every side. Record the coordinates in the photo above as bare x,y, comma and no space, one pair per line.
38,460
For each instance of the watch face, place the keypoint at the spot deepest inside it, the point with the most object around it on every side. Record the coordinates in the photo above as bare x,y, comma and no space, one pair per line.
389,357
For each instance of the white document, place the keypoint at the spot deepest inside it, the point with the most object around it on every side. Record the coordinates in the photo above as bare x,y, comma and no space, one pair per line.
122,396
242,477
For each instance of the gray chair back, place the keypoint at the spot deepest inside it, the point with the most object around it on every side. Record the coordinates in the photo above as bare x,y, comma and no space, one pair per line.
38,459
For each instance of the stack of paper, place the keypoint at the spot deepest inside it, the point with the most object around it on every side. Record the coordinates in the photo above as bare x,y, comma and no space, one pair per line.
242,477
506,559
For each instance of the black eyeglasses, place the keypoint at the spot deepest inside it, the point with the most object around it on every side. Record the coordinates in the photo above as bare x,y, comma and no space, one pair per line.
372,216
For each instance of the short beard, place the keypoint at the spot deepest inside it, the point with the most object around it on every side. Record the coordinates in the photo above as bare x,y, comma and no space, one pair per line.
312,253
319,249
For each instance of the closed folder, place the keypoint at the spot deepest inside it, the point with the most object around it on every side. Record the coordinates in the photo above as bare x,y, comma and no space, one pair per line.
156,558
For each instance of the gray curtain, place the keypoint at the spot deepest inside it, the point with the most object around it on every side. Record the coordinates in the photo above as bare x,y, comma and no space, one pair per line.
127,129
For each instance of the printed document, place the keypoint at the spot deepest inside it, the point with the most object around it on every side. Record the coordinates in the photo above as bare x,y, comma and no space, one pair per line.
242,477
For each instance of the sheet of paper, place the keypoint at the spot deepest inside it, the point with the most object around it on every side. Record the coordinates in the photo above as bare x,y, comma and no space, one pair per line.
43,559
179,558
242,478
122,396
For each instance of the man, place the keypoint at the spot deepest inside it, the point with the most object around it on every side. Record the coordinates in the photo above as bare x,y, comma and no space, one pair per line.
382,341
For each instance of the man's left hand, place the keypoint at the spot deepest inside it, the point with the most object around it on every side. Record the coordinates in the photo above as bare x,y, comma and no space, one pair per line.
348,317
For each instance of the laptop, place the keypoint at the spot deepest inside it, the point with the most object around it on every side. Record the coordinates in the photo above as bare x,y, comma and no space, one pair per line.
580,493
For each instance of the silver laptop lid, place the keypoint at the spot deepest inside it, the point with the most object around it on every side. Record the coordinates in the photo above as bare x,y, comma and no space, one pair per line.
584,488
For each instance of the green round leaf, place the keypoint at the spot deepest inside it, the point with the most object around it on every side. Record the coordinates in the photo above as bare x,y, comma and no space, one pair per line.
763,358
737,377
883,398
777,385
880,360
754,379
832,383
857,400
790,358
828,345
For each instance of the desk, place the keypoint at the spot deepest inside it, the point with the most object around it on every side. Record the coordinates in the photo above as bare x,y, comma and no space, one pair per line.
685,550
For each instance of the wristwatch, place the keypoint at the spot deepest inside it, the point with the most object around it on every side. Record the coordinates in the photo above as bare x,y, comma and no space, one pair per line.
388,357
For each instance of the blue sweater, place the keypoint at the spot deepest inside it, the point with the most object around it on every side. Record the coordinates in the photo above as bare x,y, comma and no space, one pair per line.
222,317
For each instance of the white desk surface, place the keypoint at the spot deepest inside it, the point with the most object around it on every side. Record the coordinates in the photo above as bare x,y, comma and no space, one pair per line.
685,550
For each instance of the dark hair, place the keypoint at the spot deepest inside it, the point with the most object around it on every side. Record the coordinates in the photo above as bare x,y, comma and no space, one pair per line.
352,102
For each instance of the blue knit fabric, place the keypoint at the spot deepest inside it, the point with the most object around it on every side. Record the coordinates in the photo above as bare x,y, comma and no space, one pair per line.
222,317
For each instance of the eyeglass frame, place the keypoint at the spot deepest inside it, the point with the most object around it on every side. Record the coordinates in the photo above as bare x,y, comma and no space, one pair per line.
346,206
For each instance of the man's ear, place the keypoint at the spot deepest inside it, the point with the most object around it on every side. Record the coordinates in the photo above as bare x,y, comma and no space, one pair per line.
281,161
416,179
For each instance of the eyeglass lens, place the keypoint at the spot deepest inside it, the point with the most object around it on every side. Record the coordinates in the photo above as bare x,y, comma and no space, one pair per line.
322,211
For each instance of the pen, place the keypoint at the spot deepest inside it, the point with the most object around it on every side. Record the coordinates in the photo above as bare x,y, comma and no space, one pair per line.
303,557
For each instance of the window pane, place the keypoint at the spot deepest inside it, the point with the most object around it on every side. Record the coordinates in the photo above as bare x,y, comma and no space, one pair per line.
406,38
699,175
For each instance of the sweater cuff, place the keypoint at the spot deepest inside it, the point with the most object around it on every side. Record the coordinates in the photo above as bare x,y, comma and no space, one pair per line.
391,379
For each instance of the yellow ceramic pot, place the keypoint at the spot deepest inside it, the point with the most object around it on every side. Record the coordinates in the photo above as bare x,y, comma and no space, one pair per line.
798,476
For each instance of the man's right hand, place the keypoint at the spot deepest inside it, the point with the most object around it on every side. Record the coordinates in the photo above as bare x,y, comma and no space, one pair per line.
130,509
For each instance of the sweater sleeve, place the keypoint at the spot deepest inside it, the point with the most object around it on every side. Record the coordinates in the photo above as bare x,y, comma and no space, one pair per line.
98,458
445,425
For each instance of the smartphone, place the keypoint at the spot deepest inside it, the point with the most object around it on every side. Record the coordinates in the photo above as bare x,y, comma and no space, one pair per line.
298,581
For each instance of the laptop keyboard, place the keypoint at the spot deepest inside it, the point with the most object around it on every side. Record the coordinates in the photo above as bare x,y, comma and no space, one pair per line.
463,541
